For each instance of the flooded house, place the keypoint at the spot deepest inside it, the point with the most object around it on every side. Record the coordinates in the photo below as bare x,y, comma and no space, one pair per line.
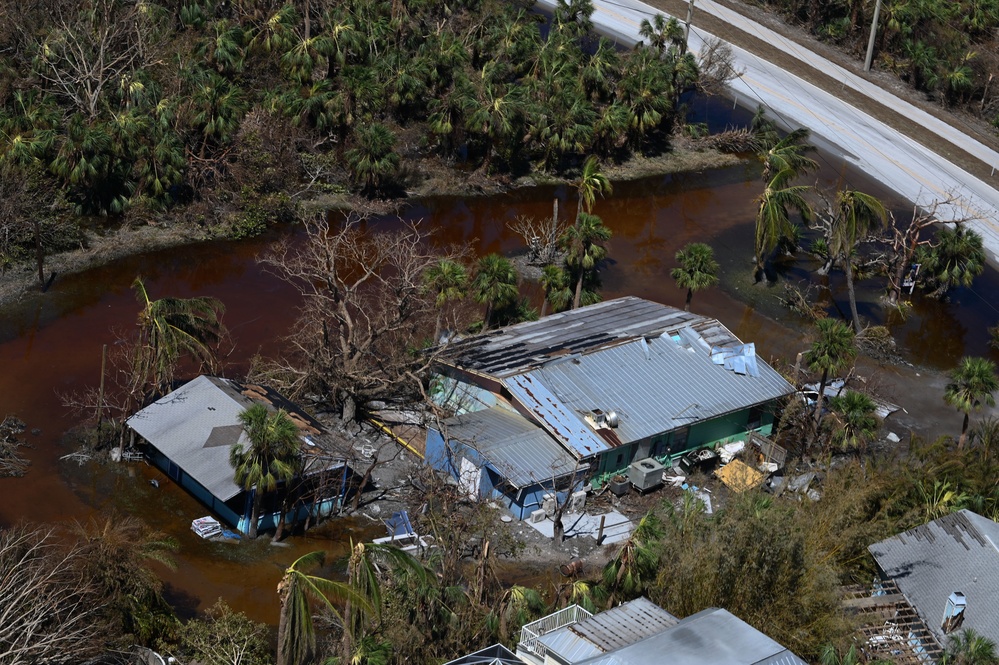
584,395
638,632
188,434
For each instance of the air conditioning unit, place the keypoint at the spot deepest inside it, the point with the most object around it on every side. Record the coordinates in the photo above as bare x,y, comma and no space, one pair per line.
549,504
646,474
577,502
537,516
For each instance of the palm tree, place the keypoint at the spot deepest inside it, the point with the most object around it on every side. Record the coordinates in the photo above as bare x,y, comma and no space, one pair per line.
447,281
584,248
517,606
495,284
831,351
697,270
970,648
856,422
634,568
973,383
858,214
773,221
662,33
297,589
374,160
272,456
788,153
558,290
956,258
170,328
592,182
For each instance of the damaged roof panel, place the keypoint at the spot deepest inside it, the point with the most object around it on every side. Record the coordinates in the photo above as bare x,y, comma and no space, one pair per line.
522,347
554,415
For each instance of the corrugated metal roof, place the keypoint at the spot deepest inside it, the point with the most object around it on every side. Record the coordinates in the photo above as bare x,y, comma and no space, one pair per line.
555,415
958,552
714,637
654,384
514,446
519,348
613,629
196,425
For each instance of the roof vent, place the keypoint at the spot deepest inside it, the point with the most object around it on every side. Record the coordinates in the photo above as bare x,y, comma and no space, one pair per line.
953,615
612,419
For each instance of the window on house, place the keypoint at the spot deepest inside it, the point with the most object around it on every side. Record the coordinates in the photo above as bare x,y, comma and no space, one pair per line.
755,418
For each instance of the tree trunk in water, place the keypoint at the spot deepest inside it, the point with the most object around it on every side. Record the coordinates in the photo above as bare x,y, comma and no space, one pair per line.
279,531
964,431
544,307
39,252
848,268
255,513
282,635
579,290
690,296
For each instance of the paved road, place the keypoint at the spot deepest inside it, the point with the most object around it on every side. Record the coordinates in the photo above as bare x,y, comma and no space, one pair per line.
914,171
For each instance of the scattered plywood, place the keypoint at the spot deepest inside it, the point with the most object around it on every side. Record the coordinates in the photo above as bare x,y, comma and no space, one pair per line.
739,477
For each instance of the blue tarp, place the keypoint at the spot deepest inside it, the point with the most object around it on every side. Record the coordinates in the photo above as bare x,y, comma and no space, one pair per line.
399,525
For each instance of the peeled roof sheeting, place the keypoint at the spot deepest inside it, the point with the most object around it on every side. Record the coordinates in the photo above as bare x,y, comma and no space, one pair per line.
556,414
521,347
957,552
654,387
518,449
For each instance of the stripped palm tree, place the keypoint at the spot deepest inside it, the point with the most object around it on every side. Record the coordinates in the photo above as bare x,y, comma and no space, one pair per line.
857,216
297,591
773,220
170,328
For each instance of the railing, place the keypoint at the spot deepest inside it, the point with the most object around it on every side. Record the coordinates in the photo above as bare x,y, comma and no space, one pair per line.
530,633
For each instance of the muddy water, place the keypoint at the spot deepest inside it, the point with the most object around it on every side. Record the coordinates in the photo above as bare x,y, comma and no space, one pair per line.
52,345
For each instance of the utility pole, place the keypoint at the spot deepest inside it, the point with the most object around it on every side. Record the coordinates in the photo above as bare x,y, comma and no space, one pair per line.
690,17
874,32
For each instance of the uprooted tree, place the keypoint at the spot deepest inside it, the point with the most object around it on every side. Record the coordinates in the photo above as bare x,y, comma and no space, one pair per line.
366,313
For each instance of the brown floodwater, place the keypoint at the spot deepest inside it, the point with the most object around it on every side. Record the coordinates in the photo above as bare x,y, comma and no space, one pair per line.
51,345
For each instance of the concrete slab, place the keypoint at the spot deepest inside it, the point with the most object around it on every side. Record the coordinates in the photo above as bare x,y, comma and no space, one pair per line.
617,527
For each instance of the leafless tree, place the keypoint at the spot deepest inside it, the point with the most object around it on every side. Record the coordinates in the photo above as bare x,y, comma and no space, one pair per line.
904,241
12,462
716,65
86,54
540,235
48,612
366,312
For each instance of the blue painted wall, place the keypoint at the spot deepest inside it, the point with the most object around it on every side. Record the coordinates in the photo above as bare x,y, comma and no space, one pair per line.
447,458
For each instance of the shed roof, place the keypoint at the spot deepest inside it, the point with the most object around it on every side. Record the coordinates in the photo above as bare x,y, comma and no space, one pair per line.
197,424
711,637
519,348
609,630
521,451
957,552
496,654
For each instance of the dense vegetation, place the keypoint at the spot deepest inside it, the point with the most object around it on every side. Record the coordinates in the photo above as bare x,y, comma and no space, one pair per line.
108,107
947,48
